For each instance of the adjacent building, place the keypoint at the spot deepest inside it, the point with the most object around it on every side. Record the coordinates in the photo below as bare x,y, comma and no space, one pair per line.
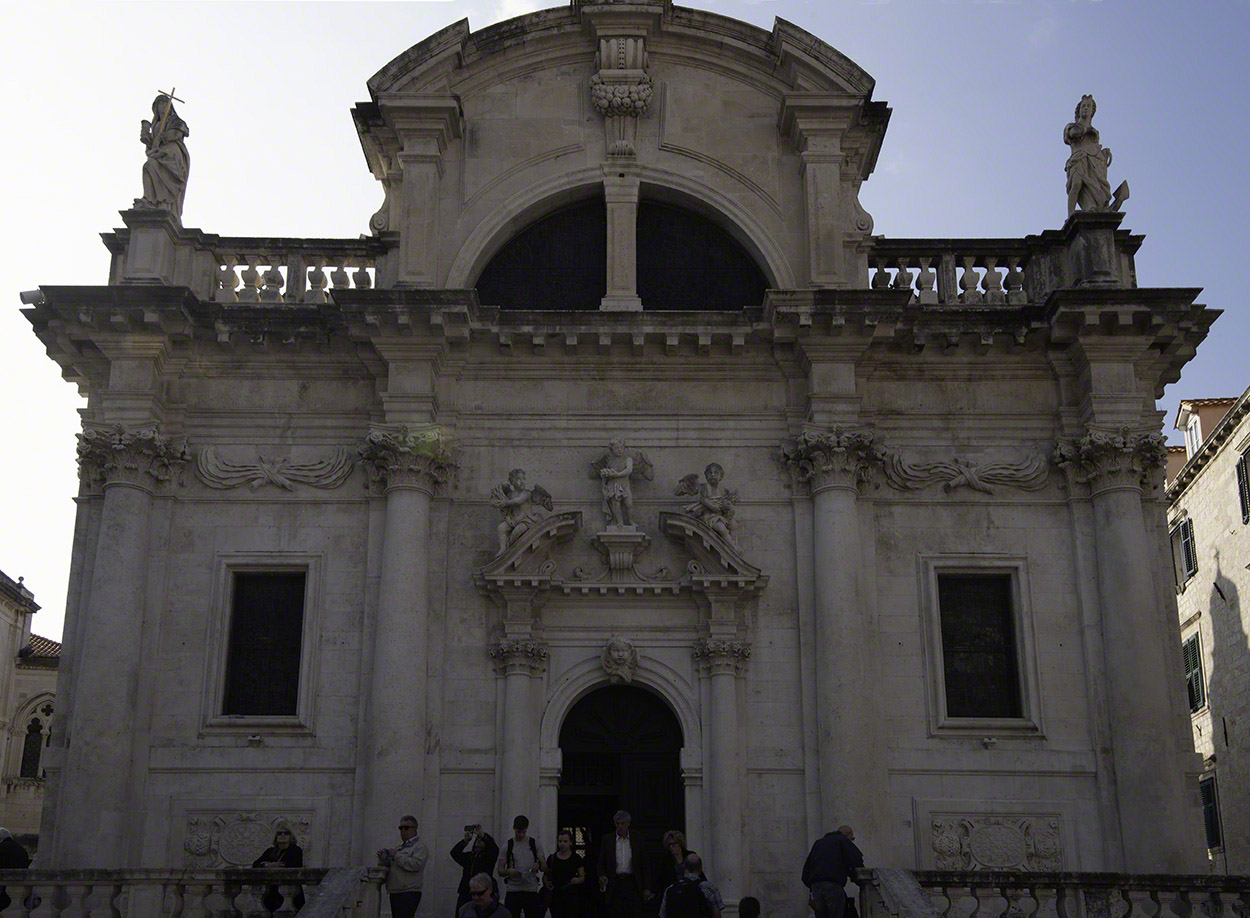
622,465
1209,521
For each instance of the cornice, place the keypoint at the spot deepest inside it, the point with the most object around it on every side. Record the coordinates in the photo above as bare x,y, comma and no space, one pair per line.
1211,447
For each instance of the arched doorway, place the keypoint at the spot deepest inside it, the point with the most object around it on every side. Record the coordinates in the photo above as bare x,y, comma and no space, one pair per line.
621,749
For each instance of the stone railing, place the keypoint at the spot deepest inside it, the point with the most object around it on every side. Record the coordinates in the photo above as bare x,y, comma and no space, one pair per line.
949,271
960,894
277,270
342,892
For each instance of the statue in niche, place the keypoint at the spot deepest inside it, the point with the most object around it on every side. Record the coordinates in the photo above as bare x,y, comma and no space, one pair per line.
1087,165
713,504
521,507
614,469
168,164
620,659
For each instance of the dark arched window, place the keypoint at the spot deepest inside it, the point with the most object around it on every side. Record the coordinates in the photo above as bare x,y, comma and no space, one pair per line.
32,749
684,261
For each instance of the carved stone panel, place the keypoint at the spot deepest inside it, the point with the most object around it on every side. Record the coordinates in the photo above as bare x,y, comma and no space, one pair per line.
971,841
217,840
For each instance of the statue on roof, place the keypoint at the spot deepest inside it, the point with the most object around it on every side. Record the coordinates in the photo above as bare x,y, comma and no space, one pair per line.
168,164
1087,165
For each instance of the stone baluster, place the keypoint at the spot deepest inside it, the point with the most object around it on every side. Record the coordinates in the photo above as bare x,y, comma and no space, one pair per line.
521,663
992,282
926,283
1113,470
409,467
227,280
1015,282
724,662
317,281
250,275
339,276
272,291
903,279
968,282
197,900
834,465
131,465
880,276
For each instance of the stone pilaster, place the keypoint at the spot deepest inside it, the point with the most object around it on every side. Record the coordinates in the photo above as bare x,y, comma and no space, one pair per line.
620,191
131,464
408,465
521,664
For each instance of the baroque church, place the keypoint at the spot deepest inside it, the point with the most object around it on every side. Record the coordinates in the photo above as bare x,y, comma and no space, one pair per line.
622,464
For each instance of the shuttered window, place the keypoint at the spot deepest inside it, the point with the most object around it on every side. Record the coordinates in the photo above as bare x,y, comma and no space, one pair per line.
1210,811
979,659
266,633
1243,485
1184,553
1191,650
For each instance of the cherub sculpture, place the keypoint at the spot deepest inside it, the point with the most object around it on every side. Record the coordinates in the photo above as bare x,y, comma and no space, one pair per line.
521,507
620,659
714,504
168,164
614,469
1087,165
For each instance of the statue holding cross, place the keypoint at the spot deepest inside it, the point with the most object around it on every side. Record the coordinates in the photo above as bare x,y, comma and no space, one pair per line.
168,164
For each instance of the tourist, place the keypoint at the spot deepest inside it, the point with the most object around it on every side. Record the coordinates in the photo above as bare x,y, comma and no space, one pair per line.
482,899
521,866
623,870
692,896
565,875
831,861
284,853
749,907
475,853
675,844
405,869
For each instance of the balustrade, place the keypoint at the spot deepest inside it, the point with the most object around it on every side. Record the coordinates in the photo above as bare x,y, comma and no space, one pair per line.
952,272
191,893
291,271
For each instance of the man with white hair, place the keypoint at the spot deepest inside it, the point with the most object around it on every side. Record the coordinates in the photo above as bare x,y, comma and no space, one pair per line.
623,871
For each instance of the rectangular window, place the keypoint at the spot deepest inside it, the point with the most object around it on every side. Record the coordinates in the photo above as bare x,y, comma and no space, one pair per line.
1210,811
980,665
1191,650
1243,485
1184,553
266,634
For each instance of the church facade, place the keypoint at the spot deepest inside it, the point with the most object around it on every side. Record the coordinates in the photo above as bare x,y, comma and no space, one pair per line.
622,465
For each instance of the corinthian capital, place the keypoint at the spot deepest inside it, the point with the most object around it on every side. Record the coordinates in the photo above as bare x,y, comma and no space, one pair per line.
528,658
835,459
140,457
403,457
1111,462
717,655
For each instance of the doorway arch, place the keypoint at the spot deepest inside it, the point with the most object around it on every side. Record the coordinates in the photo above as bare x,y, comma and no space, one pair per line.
620,748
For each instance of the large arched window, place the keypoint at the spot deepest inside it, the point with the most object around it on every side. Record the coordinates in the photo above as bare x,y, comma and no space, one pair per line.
684,261
32,749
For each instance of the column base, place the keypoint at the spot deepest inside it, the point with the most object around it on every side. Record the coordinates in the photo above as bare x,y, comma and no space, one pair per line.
620,303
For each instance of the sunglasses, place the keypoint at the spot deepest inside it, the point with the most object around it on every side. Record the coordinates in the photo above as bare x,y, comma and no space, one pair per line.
476,893
282,832
401,828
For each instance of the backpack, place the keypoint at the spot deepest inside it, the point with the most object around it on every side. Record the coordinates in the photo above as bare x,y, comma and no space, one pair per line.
686,900
533,850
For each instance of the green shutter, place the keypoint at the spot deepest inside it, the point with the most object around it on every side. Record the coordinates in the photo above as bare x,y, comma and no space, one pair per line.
1243,485
1210,811
1192,652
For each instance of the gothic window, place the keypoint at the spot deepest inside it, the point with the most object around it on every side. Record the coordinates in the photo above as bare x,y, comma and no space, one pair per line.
1192,653
1184,554
1210,811
266,634
1243,485
979,651
32,748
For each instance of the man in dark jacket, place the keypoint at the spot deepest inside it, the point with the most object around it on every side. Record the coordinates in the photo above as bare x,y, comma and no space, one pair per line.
623,871
475,853
832,859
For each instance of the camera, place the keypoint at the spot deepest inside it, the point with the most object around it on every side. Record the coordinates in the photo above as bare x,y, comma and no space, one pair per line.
470,828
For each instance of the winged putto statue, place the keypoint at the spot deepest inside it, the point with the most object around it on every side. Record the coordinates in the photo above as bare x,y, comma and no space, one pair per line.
521,507
615,469
713,503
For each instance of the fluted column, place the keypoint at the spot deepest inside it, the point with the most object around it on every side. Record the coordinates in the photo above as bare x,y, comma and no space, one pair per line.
409,466
1113,469
834,465
724,662
522,664
97,806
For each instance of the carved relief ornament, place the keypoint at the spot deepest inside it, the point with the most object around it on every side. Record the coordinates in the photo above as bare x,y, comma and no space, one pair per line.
512,657
1111,462
279,471
141,457
959,472
621,91
716,656
977,842
234,839
837,459
402,457
620,659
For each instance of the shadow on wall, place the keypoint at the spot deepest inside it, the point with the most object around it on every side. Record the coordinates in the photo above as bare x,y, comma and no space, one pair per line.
1228,697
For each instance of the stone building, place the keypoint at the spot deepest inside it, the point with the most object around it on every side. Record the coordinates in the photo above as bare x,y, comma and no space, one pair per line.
28,665
1209,521
813,525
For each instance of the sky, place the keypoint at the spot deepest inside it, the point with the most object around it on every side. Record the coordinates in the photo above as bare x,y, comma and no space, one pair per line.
980,91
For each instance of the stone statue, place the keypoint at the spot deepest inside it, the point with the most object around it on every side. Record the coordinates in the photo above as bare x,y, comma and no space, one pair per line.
620,659
714,504
168,163
1087,166
521,507
615,469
